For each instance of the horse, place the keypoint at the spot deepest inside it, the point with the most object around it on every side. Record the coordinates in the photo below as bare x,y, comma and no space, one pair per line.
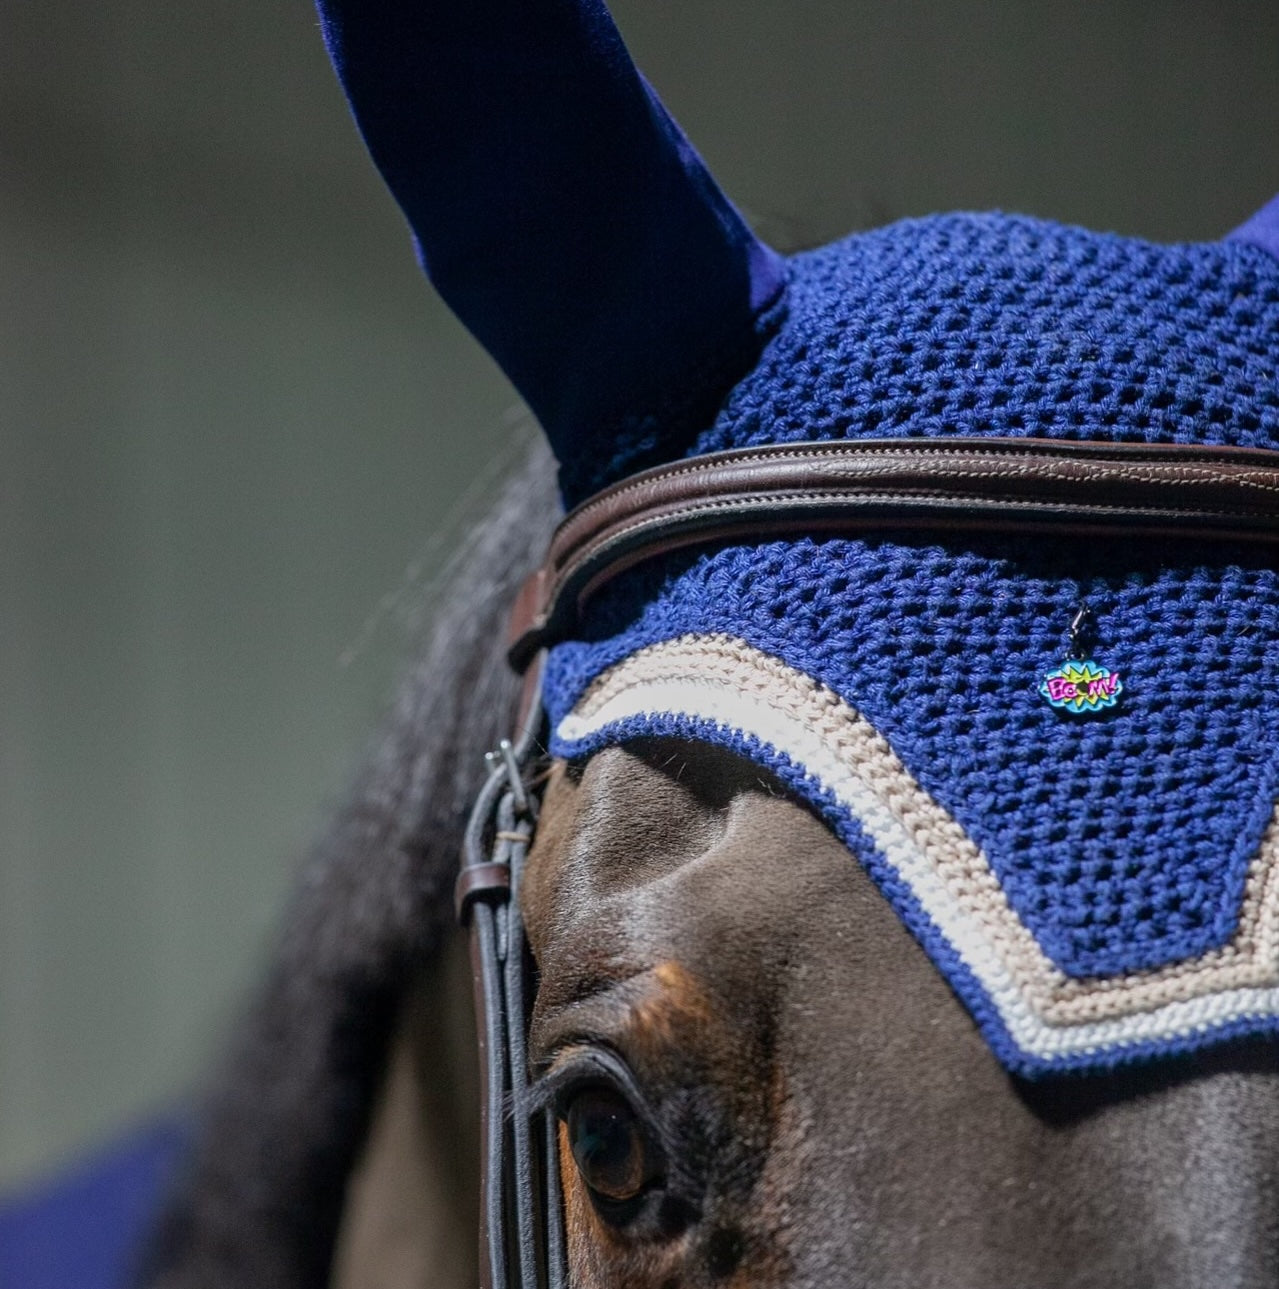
833,1114
765,1049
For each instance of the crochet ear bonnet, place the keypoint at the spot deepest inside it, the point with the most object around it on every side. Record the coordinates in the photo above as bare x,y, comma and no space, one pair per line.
1084,839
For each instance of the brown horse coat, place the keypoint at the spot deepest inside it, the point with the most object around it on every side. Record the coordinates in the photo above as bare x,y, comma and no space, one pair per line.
828,1113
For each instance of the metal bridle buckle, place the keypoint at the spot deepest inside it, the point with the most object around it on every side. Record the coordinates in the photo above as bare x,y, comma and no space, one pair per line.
520,1173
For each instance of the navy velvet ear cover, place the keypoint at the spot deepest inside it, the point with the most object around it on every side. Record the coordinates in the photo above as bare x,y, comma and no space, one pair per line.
563,215
565,218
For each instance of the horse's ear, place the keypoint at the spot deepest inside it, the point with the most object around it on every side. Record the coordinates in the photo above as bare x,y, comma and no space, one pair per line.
562,214
1262,230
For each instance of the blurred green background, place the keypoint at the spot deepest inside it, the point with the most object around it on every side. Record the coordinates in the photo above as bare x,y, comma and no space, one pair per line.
236,426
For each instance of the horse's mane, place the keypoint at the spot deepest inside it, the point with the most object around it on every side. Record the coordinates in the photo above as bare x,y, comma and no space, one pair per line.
276,1136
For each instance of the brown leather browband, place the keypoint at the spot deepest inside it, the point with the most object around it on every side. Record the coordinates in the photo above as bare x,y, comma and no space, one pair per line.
966,484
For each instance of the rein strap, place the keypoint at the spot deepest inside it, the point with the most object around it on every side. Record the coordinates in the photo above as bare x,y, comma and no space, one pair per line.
844,486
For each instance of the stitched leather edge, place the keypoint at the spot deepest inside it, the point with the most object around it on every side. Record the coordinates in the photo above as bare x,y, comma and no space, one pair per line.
961,484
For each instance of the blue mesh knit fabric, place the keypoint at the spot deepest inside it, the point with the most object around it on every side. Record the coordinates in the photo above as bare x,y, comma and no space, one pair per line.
1122,841
994,324
1045,862
986,324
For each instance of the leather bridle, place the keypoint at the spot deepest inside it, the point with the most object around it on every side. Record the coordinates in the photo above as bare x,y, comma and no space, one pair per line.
521,1223
1090,488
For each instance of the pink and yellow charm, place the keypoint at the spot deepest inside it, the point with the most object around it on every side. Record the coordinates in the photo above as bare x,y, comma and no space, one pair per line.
1081,686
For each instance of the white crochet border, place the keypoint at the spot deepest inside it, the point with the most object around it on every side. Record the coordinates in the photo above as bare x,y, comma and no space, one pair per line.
1048,1015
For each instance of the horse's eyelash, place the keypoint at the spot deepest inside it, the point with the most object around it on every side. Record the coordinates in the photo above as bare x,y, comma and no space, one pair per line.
580,1068
543,1092
560,1078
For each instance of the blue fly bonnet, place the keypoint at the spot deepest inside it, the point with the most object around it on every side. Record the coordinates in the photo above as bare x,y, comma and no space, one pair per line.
1080,828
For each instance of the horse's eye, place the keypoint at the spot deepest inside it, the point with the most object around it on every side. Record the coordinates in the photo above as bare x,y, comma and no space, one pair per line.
609,1144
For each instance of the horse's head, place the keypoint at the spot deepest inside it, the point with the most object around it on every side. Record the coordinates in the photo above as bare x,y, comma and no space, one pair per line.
761,1080
730,1022
922,747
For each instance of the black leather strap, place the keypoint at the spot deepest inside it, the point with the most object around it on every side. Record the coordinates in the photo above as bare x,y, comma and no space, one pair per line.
521,1228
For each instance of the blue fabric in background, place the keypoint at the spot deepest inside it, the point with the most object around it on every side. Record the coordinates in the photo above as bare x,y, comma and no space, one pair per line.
82,1229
